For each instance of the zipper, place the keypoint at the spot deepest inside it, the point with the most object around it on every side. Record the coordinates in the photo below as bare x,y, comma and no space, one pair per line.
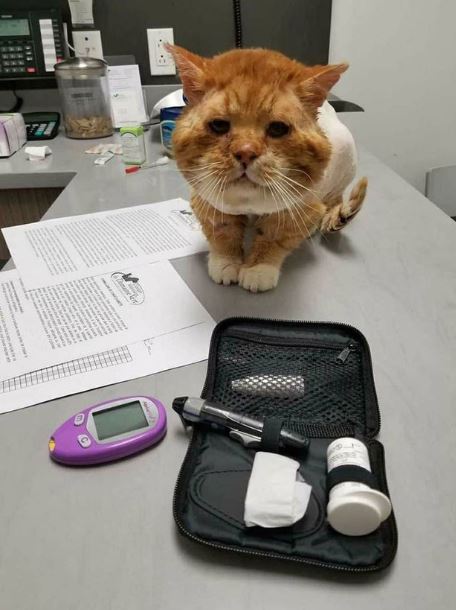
271,555
345,353
365,347
289,341
340,359
192,444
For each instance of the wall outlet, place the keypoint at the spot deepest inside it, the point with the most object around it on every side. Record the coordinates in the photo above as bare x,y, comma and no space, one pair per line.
88,44
161,62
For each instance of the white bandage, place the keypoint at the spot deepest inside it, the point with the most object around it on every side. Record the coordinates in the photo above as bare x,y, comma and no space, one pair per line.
277,495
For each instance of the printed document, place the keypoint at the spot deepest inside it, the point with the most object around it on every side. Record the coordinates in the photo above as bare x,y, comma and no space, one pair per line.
54,324
111,366
55,251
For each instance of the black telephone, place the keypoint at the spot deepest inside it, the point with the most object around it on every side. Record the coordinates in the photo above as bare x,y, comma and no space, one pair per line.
31,43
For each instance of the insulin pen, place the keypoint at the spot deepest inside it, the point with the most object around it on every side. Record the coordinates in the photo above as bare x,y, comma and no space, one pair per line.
246,430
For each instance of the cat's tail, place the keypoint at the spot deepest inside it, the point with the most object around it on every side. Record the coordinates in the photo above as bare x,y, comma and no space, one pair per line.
342,213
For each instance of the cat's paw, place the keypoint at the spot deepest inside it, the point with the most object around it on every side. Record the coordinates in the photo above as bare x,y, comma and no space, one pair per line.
259,278
223,269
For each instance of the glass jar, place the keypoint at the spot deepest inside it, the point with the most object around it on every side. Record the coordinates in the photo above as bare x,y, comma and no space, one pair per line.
84,94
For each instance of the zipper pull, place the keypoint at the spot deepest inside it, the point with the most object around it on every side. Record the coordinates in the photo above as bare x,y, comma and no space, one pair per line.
345,353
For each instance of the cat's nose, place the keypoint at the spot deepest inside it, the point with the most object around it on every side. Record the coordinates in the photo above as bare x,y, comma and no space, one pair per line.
246,154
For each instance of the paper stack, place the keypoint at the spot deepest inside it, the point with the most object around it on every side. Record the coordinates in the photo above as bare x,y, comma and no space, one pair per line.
94,300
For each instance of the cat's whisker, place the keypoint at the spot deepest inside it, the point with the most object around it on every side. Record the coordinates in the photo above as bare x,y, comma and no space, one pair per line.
280,216
209,178
206,193
277,208
203,167
188,174
306,204
280,211
278,191
300,171
204,173
302,210
206,184
291,208
223,194
291,181
264,186
200,182
211,188
188,171
199,185
217,197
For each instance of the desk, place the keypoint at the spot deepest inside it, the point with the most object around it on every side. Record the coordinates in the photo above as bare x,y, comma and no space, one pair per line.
104,538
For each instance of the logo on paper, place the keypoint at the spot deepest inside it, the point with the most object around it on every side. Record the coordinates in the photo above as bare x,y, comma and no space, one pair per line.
185,217
129,287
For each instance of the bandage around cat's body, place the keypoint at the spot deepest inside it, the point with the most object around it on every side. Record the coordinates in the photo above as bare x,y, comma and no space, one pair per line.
341,168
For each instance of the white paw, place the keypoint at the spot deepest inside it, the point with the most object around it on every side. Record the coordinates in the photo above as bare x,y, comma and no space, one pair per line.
223,269
259,278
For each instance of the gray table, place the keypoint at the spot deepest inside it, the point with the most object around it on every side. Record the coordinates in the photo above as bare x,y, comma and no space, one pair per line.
104,538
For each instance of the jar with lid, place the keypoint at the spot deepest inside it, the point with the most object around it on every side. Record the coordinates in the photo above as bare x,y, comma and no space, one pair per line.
84,95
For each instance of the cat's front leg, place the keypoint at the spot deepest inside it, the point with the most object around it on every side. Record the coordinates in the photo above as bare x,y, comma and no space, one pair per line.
275,237
225,234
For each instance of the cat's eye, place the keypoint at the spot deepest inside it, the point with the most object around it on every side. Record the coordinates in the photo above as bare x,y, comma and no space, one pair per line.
277,129
219,126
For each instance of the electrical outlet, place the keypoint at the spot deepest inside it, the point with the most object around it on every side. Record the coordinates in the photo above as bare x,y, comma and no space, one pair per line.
161,62
88,44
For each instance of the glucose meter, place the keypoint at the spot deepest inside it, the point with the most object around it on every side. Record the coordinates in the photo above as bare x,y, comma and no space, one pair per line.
109,431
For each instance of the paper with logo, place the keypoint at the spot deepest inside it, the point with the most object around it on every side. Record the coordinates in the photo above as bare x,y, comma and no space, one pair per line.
47,326
54,251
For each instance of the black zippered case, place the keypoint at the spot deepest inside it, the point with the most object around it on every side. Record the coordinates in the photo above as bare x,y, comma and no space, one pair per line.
318,377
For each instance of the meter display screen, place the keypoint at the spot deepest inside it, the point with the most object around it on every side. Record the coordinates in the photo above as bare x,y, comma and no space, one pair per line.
119,420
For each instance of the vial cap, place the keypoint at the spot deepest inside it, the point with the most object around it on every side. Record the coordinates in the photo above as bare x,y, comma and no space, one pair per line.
358,513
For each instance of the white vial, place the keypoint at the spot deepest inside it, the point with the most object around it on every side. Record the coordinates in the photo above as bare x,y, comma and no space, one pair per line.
354,509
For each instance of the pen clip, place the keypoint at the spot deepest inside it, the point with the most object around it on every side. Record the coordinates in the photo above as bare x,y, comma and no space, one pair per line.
248,440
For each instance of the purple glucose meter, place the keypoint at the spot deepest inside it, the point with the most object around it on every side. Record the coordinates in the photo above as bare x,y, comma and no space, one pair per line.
109,431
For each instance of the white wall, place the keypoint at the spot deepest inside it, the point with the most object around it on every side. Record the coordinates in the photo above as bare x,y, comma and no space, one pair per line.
402,56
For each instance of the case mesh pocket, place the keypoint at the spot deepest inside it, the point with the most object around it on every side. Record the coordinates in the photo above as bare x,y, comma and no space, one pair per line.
304,384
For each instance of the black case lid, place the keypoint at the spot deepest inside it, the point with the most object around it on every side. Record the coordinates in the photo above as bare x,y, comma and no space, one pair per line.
317,375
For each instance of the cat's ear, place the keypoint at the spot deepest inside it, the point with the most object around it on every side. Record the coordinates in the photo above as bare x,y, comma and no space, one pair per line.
191,69
319,80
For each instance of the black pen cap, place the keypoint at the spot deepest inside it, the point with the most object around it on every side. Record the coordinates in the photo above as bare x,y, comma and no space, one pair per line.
179,404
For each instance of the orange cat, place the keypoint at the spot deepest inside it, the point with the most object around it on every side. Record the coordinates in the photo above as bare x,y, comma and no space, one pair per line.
258,138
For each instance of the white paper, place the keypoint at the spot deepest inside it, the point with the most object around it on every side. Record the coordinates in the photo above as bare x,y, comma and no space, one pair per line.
37,153
81,12
50,325
127,101
55,251
168,351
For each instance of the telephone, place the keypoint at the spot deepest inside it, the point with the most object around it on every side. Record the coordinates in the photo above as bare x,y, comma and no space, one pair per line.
31,42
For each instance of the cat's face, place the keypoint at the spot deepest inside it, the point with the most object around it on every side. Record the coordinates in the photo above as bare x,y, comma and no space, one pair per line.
249,141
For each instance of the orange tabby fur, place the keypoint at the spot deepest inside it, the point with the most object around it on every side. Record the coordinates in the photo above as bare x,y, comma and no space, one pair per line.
247,171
